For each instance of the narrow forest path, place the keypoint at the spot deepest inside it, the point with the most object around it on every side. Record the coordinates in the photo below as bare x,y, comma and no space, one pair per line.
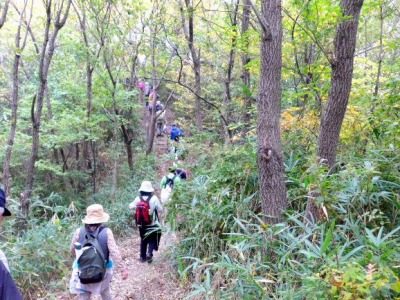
155,281
158,280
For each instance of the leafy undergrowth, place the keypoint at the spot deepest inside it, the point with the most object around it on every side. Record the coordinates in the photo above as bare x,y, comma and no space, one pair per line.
228,252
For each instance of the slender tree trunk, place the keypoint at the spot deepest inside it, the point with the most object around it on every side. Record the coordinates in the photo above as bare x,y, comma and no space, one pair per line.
115,168
3,11
14,98
93,147
195,54
90,67
341,81
380,55
46,56
245,60
152,118
270,158
228,80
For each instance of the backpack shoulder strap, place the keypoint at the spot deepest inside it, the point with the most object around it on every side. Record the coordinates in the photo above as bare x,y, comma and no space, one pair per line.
94,234
148,199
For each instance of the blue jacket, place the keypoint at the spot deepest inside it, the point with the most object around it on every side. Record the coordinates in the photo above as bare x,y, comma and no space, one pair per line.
8,289
176,133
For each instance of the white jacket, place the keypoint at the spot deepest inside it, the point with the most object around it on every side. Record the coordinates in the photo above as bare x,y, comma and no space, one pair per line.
154,203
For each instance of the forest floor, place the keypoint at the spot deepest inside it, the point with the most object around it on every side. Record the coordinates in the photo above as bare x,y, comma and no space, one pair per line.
155,281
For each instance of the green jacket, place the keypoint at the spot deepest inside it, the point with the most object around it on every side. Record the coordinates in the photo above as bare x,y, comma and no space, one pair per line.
163,183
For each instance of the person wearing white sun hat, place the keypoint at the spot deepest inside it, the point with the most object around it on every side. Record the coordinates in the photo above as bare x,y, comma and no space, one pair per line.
149,234
93,220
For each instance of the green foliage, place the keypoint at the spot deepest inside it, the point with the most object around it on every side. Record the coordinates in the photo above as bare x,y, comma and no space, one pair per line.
228,252
40,255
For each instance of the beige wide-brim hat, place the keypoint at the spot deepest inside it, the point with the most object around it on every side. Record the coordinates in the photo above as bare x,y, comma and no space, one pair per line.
95,215
146,187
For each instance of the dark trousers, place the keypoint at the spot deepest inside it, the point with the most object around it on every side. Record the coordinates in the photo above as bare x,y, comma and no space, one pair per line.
149,240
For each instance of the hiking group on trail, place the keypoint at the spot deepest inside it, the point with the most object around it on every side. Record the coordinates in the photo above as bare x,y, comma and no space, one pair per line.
95,250
93,245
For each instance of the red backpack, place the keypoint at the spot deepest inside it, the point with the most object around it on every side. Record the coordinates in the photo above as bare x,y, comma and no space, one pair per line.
142,215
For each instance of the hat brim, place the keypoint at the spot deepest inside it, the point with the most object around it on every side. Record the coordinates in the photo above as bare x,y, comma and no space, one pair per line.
146,190
6,212
96,220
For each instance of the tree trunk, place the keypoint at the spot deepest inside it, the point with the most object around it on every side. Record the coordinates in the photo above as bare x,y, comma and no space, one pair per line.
3,11
231,63
14,99
152,118
115,168
46,56
188,30
94,154
270,158
342,73
245,60
341,80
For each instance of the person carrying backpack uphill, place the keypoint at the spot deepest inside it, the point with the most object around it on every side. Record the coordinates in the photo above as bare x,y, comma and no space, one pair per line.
147,206
175,135
94,248
167,184
160,114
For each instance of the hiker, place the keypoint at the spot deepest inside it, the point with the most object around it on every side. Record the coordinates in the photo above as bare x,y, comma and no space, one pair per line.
147,89
141,86
181,173
8,288
153,96
167,129
95,217
160,114
167,184
175,135
147,206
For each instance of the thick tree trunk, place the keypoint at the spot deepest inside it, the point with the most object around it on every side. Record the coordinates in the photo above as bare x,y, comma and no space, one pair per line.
270,158
341,80
342,73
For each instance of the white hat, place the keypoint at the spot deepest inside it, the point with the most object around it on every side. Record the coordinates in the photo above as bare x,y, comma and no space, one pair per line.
95,215
146,187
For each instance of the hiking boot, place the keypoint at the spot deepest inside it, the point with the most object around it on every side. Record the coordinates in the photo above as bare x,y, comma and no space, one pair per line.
142,260
149,258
